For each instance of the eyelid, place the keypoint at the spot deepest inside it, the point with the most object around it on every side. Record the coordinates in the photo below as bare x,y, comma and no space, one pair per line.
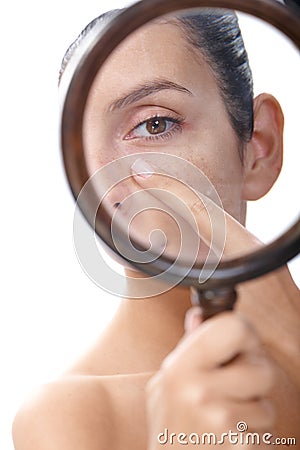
176,126
157,116
135,116
148,112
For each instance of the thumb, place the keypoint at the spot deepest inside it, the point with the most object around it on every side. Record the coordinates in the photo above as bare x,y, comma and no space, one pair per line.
193,319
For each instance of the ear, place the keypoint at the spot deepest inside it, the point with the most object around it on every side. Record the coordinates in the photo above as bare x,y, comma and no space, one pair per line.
264,152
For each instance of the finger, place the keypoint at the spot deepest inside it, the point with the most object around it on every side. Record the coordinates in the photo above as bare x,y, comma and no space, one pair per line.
193,319
248,377
141,216
254,416
201,207
184,202
214,343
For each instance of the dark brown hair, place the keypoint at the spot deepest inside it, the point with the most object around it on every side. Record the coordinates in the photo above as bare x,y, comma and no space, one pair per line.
216,33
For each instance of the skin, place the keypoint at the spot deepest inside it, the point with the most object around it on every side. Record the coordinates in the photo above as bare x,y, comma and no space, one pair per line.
157,365
197,105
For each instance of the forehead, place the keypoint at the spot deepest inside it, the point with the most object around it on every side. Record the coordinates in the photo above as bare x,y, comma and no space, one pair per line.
158,50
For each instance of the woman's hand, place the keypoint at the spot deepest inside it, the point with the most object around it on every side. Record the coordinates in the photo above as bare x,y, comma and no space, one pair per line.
271,303
210,222
184,393
216,380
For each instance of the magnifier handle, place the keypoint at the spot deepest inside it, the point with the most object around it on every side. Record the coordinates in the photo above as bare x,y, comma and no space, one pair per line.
215,301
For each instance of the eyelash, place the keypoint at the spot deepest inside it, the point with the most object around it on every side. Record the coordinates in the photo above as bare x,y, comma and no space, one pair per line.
177,127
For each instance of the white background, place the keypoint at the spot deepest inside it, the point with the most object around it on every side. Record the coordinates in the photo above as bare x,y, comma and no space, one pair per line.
49,311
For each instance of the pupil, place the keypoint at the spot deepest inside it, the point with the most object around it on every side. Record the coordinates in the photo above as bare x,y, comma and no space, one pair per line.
156,126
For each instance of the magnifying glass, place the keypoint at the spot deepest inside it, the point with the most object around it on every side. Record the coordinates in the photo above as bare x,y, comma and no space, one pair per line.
164,143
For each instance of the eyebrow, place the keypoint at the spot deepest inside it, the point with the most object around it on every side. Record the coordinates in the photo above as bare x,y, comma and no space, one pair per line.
147,88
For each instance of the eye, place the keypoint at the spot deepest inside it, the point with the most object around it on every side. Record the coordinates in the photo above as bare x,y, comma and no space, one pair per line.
155,127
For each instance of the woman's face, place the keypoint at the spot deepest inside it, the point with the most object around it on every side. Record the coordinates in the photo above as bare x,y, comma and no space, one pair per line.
156,93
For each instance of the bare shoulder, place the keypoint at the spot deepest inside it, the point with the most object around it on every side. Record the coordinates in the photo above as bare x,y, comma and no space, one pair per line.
82,412
64,415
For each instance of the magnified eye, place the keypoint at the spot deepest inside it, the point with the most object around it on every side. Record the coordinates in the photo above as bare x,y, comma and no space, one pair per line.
155,127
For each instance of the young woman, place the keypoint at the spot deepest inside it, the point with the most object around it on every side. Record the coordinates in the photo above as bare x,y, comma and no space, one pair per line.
182,86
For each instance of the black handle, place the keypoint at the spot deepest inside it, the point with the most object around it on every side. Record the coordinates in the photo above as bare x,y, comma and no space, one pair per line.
215,301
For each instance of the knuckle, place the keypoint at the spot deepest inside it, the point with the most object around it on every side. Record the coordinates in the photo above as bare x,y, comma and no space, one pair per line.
221,417
197,206
240,329
190,392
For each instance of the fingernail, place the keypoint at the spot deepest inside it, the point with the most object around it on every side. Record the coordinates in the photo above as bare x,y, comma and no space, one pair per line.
194,296
142,168
193,319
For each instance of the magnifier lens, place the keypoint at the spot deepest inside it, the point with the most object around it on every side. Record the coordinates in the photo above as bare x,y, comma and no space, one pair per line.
182,133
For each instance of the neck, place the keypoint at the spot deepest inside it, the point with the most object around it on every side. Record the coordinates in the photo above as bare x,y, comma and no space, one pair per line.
148,329
165,309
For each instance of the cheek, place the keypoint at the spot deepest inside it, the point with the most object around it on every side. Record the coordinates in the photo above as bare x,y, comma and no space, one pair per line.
228,184
220,161
99,145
